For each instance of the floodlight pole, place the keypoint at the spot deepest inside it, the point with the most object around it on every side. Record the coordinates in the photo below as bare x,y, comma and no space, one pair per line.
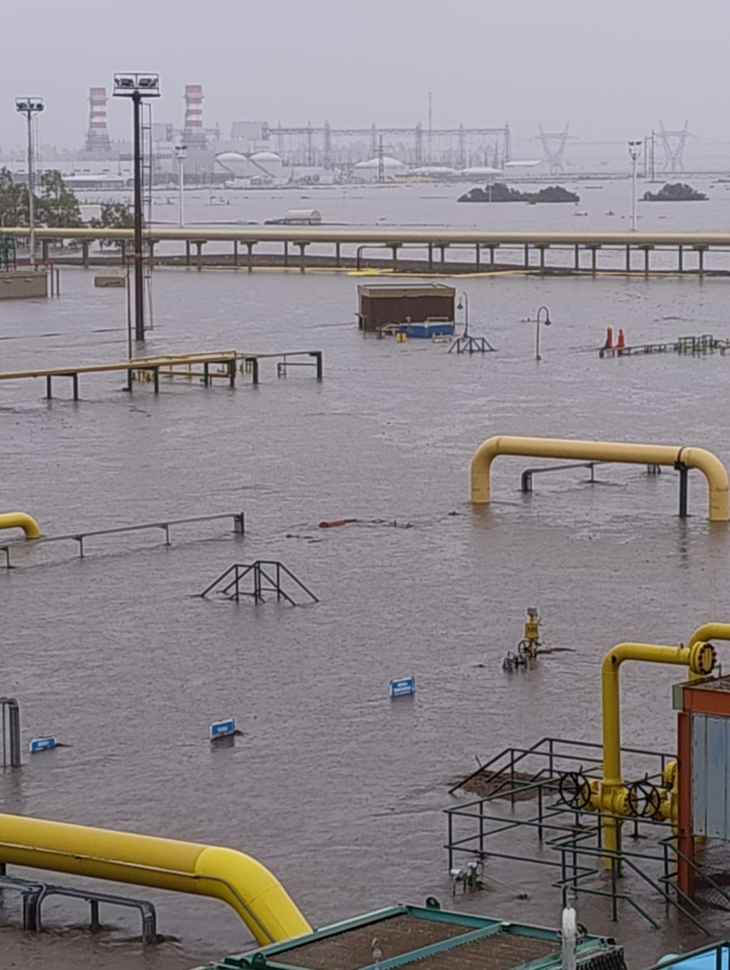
29,107
138,254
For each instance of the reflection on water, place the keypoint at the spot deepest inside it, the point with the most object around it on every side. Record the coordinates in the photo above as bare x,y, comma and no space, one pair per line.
335,787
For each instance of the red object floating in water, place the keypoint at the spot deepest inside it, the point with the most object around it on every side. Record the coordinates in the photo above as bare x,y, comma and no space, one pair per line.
335,522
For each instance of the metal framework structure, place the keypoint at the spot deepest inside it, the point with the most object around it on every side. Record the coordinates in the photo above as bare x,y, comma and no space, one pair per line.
264,575
548,799
315,144
553,147
673,144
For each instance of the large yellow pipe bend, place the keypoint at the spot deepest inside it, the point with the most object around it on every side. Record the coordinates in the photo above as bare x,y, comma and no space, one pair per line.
242,882
578,450
611,698
20,520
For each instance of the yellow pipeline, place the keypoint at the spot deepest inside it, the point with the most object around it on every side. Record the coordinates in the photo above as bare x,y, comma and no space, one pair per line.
710,465
242,882
707,632
612,795
20,520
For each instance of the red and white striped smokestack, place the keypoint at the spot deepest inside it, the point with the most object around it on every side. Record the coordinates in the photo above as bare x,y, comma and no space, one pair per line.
97,137
193,106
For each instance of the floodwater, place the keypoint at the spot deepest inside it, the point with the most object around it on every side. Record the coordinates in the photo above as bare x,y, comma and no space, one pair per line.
337,789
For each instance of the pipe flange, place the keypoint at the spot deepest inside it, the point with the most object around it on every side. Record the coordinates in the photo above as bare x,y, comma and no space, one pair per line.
702,658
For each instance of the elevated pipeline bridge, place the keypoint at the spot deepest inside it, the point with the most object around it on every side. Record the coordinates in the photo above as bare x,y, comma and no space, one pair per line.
402,250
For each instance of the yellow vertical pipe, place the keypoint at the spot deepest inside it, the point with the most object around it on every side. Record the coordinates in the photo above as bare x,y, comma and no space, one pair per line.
612,789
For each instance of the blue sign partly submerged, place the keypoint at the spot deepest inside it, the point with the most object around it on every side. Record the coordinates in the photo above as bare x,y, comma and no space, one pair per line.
41,744
403,687
222,729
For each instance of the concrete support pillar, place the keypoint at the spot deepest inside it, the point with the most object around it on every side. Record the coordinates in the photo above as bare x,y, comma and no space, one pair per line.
235,252
286,253
430,255
701,258
443,249
594,259
199,244
302,257
646,261
338,254
152,254
187,252
394,250
478,257
123,251
628,259
491,257
576,259
85,251
542,259
44,250
680,259
527,255
249,256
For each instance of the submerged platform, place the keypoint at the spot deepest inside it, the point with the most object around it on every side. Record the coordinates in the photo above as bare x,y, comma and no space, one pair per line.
427,938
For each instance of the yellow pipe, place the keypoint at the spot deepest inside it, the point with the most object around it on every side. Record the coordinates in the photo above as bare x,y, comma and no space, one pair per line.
20,520
242,882
574,449
612,795
705,633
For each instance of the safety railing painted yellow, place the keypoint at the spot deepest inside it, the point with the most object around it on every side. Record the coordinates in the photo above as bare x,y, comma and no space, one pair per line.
606,451
237,879
20,520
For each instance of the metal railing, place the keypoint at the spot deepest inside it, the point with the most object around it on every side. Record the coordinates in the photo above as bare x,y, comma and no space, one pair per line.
574,833
34,893
239,527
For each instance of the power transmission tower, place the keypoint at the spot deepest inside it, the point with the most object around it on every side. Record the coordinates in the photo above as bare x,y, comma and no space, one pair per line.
673,143
553,147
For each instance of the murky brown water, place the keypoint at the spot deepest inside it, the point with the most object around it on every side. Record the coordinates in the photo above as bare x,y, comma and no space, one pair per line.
334,787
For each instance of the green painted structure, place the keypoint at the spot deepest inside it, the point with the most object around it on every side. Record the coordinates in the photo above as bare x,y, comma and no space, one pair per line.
426,938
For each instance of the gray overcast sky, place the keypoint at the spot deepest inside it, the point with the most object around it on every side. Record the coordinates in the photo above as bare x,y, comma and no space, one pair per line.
612,68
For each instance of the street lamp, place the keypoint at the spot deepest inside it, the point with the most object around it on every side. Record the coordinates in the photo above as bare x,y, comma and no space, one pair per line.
634,152
547,321
136,87
30,107
463,304
181,152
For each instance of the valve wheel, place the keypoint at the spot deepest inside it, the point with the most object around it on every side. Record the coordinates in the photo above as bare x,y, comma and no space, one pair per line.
527,649
645,799
574,789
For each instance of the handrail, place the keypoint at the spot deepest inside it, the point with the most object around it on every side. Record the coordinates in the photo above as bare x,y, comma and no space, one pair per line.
604,451
80,537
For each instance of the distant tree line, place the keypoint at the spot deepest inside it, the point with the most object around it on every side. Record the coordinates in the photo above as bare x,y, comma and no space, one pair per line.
55,205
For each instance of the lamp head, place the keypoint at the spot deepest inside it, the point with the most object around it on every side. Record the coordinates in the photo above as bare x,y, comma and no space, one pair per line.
29,105
145,85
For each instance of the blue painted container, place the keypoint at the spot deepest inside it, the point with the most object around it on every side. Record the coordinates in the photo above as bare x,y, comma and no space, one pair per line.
427,330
